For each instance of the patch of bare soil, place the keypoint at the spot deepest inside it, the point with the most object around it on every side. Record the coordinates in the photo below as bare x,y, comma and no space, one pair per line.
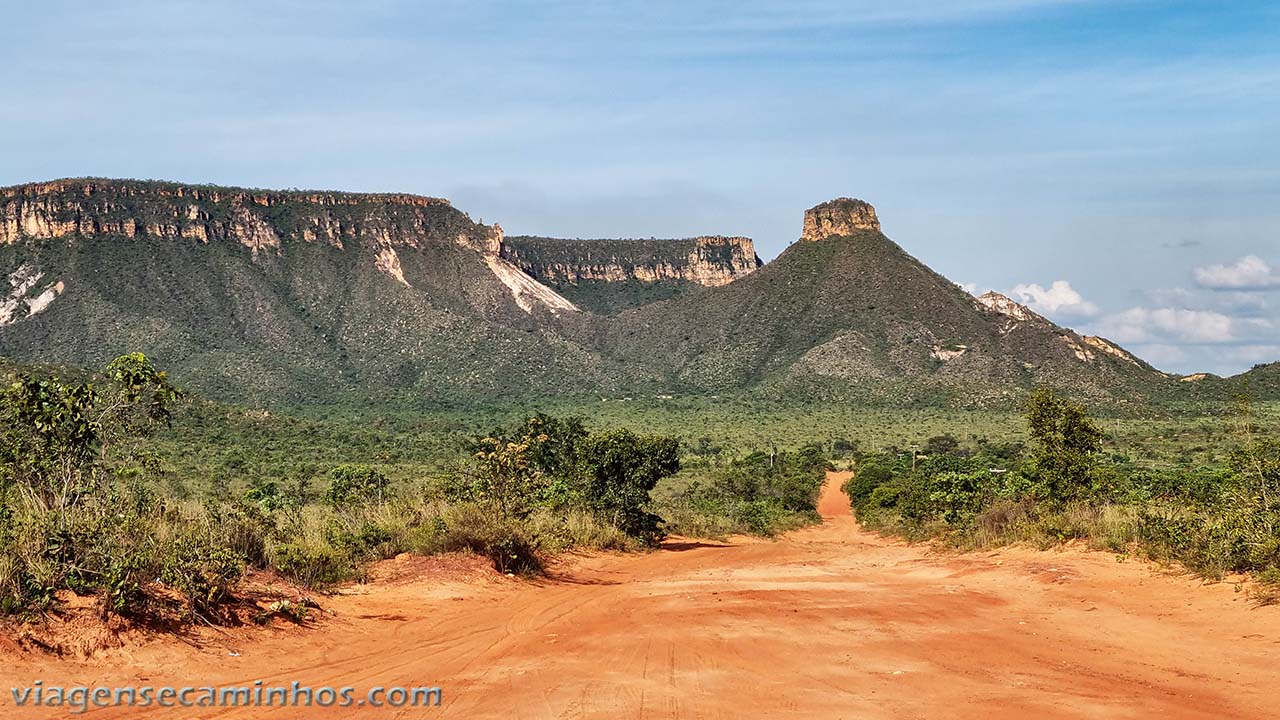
829,622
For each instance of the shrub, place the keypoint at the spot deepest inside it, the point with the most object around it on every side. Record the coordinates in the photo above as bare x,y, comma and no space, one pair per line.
356,485
620,468
203,570
865,480
507,543
506,476
556,465
312,565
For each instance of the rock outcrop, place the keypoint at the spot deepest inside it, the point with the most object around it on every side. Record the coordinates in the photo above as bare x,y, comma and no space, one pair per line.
842,216
24,297
1006,306
294,297
258,219
707,260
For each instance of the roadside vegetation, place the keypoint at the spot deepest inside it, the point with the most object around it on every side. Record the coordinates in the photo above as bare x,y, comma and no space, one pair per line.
116,486
88,506
764,493
1070,483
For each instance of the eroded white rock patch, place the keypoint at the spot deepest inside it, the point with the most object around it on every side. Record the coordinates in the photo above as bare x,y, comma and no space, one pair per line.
1110,349
389,262
21,302
527,292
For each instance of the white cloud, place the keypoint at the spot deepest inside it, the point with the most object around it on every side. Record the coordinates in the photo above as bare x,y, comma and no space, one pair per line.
1058,299
1248,273
971,288
1178,325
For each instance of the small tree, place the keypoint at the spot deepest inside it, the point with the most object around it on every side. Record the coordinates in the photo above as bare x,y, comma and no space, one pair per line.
1255,458
1066,443
56,438
355,485
506,476
620,468
945,444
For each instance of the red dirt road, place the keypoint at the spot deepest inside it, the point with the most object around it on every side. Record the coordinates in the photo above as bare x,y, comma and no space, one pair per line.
829,622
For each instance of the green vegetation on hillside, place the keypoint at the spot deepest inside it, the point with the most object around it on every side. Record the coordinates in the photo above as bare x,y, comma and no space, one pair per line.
610,297
291,300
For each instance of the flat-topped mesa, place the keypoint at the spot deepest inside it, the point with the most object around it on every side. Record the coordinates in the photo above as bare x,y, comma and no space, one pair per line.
706,260
842,216
259,219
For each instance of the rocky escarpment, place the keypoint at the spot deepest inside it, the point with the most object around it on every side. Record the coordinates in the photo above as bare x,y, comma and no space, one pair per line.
850,315
304,297
612,275
257,219
377,228
251,294
839,217
708,260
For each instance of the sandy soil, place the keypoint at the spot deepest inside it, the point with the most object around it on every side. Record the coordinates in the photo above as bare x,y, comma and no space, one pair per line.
830,622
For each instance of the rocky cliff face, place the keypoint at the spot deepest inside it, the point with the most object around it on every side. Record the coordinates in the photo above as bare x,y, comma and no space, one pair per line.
251,294
298,297
708,260
257,219
842,216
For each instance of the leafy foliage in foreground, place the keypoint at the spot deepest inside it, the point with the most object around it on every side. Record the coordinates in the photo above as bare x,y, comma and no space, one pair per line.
75,510
79,512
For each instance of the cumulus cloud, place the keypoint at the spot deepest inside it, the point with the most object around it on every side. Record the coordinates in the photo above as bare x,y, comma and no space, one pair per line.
1057,299
1179,325
1248,273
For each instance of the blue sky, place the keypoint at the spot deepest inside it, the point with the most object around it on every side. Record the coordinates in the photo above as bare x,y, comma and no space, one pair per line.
1117,163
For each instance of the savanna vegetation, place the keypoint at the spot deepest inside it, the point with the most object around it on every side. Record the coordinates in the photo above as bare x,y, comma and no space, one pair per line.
1071,481
118,486
99,497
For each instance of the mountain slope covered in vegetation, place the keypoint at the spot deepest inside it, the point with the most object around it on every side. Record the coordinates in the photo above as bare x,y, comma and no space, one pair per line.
306,297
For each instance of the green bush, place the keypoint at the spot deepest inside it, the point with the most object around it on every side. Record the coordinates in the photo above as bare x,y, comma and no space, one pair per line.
506,542
313,565
761,494
356,485
203,570
556,465
620,469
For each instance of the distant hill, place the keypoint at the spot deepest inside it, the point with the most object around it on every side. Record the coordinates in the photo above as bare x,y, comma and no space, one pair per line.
1262,382
295,297
302,297
845,312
